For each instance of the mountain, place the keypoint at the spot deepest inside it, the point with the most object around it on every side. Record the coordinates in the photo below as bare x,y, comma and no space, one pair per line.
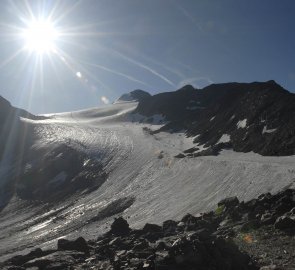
258,117
135,95
71,174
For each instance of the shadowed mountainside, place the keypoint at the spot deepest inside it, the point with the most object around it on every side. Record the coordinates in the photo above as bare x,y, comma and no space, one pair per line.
256,116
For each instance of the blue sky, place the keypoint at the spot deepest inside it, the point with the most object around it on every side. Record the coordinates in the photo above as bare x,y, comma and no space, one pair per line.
109,47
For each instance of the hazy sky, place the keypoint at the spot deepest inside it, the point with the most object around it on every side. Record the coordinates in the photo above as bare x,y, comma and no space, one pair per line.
109,47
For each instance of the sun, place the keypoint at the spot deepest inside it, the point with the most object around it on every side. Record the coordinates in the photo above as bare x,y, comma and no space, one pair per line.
40,36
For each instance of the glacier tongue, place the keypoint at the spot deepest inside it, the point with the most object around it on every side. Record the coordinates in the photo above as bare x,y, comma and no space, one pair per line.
145,182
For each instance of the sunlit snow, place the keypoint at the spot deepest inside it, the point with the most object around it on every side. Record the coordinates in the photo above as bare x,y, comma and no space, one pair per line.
242,123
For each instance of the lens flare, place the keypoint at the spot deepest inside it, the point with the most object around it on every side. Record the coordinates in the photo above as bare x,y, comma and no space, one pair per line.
40,36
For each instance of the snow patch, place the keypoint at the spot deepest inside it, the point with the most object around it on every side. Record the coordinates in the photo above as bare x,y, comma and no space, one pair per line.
224,138
242,123
265,130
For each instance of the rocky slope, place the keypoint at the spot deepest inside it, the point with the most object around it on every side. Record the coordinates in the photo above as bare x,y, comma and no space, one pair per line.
15,137
213,240
257,117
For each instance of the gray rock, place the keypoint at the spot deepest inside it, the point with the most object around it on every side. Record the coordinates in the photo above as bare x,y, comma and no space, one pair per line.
79,244
229,202
284,222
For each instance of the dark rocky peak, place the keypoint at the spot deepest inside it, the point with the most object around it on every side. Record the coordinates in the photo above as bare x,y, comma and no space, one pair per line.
173,105
139,94
242,88
135,95
187,87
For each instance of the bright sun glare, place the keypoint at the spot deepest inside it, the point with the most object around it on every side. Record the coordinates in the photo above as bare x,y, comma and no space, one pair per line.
40,36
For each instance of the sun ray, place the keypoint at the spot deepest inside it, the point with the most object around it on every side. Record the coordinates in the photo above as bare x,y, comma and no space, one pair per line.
10,58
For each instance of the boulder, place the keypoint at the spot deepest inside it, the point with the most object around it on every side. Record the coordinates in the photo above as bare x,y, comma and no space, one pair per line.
58,260
152,228
169,227
79,244
188,218
284,222
120,227
229,202
282,208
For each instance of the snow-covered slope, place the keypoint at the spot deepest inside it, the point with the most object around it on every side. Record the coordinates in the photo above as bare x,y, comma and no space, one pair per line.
144,181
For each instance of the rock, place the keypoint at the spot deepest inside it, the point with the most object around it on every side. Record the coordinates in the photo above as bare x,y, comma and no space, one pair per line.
180,156
251,204
58,260
115,242
21,259
259,210
191,150
141,245
152,228
267,219
269,267
282,208
250,225
202,234
284,222
169,227
266,197
120,227
161,245
188,218
181,224
79,244
229,202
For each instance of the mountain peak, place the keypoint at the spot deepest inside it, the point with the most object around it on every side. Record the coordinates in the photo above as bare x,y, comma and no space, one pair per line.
135,95
272,82
187,87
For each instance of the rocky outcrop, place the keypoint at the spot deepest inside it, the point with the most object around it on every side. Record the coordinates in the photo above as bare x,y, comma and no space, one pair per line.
135,95
56,172
211,240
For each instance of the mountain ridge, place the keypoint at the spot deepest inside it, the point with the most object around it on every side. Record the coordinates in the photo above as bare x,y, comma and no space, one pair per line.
257,116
